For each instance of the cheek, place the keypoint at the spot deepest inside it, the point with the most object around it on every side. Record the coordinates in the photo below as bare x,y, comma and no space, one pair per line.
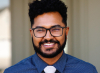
61,39
36,41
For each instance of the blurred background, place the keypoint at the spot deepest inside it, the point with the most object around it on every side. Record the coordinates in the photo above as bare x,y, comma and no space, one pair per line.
83,38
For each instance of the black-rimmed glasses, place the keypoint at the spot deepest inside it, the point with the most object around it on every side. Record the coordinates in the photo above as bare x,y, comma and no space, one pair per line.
55,31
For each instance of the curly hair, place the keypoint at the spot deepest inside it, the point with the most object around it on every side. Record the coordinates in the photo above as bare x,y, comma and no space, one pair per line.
39,7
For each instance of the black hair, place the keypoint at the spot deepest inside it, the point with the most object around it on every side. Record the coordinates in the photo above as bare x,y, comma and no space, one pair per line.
39,7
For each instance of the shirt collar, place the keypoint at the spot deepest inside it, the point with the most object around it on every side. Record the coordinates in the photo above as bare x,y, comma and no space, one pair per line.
59,65
39,63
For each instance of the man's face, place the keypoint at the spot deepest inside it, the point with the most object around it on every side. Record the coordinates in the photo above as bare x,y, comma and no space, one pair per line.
49,46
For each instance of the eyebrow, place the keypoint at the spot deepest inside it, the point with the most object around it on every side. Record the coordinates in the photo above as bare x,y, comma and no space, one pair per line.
50,27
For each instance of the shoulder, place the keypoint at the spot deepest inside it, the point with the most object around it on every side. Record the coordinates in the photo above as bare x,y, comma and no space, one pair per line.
79,65
25,64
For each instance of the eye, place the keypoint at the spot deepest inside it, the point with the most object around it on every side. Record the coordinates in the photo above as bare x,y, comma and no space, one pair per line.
40,30
56,29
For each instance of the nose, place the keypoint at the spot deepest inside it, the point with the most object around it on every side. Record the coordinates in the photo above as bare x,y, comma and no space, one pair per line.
48,35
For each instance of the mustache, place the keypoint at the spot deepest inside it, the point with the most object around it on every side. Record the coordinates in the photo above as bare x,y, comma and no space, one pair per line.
51,41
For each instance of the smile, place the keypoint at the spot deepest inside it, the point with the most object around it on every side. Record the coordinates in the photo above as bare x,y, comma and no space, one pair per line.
48,45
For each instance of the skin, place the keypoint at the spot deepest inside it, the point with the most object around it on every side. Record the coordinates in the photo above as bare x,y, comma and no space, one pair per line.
48,20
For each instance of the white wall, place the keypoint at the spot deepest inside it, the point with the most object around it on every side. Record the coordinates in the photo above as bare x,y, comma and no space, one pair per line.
5,38
21,40
94,32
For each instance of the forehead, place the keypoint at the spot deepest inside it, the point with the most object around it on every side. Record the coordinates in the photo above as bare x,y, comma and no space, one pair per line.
48,20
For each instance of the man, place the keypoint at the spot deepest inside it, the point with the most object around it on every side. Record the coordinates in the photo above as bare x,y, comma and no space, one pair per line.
49,33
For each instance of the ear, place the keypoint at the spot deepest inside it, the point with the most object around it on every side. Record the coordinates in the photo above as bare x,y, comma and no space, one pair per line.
31,32
67,30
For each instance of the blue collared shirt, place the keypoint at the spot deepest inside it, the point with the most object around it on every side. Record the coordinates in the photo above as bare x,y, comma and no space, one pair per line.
66,64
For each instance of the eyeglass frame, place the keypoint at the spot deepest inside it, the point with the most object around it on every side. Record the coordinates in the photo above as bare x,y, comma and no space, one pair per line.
49,30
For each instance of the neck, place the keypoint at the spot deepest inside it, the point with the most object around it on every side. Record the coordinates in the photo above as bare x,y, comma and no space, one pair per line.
51,61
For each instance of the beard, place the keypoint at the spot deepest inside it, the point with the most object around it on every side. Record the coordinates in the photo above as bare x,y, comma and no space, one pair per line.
58,51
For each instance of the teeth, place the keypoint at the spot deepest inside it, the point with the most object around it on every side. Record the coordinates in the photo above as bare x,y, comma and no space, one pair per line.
49,44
